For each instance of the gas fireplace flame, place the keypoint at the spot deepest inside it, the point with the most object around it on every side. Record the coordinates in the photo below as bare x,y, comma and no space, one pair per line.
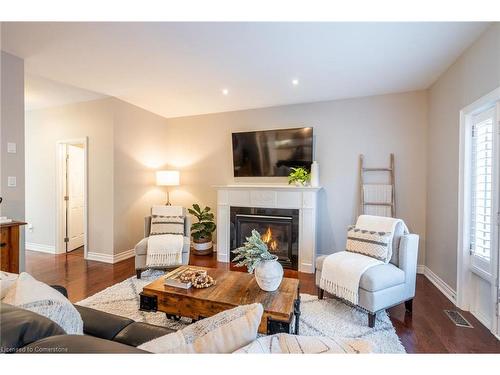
267,237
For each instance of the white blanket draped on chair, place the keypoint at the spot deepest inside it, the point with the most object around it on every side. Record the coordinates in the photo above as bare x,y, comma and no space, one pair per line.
342,271
165,249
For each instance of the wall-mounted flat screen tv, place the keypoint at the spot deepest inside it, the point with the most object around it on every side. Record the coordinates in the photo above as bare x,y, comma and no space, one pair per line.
271,153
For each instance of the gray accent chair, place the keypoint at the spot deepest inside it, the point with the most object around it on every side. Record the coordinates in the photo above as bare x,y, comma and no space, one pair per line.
386,285
141,248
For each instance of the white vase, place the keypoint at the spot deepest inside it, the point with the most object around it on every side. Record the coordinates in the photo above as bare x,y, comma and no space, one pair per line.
315,174
269,274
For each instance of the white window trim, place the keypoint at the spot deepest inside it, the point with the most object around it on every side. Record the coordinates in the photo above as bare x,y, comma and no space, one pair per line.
464,193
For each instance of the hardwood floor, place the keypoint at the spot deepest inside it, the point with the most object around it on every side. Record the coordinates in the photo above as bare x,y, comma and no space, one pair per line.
427,330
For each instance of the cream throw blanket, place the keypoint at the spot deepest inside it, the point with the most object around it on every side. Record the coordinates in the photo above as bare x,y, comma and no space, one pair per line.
342,271
164,250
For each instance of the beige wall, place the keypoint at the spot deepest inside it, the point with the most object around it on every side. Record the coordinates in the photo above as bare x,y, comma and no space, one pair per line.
126,146
12,130
473,75
139,150
200,146
93,119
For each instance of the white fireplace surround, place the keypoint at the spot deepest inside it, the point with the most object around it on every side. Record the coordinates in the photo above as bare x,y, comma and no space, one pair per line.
270,196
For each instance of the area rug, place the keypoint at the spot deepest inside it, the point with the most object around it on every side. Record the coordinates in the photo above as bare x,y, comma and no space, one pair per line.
328,317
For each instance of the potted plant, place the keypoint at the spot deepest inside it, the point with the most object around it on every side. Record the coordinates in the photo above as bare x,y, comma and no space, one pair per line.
202,230
255,255
299,176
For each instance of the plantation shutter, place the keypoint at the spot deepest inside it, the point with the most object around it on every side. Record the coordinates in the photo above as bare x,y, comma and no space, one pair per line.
482,184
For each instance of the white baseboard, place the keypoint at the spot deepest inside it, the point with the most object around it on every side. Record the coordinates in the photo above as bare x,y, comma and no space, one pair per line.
123,255
98,257
438,283
50,249
110,258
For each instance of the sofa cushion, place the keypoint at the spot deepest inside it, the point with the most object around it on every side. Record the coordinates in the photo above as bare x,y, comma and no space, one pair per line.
284,343
77,344
224,332
138,333
102,324
31,294
7,280
381,277
20,327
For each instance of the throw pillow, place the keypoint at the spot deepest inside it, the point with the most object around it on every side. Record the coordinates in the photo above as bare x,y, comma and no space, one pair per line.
7,280
166,225
377,245
224,332
285,343
31,294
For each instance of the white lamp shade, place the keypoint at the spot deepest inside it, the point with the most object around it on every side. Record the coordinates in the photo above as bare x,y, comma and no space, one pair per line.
167,178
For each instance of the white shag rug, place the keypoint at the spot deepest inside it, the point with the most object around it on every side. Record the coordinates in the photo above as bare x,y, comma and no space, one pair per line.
328,317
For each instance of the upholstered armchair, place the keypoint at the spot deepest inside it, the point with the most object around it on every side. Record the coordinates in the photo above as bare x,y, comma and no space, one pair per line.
386,285
142,247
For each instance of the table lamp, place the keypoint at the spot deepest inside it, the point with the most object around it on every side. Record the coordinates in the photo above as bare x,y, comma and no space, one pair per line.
167,178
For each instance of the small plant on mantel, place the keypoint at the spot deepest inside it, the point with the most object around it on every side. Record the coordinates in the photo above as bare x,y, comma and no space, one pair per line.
299,176
202,230
253,251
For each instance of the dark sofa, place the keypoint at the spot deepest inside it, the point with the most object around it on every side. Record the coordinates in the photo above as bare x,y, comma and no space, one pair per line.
23,331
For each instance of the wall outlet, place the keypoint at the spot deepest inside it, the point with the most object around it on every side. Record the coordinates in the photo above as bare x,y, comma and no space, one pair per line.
11,148
11,181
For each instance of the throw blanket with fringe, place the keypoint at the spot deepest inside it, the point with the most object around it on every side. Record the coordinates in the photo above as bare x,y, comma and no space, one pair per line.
342,272
164,250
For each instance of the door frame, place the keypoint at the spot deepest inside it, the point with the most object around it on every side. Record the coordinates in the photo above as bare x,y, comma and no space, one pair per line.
60,203
464,295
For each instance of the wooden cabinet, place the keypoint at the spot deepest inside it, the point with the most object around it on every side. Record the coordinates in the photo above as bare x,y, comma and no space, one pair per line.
9,246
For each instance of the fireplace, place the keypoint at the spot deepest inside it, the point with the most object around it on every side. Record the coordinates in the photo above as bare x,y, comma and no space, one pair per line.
279,228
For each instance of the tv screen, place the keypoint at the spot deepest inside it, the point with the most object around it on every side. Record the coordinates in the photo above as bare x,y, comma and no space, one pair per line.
271,153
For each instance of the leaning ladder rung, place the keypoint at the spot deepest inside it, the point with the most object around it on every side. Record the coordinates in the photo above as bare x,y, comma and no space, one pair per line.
377,169
377,204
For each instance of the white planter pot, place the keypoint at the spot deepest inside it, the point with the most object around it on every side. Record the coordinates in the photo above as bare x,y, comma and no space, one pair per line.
269,274
201,246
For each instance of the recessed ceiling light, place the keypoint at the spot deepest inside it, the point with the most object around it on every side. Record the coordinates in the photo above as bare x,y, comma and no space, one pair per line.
295,82
225,91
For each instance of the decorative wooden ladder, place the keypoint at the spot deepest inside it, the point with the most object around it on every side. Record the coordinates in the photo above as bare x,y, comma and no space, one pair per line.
390,170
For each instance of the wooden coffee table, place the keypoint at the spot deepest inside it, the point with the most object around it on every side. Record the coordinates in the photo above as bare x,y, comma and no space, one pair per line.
232,289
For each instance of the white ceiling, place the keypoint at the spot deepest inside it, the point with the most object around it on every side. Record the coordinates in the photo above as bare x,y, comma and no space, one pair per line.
45,93
179,69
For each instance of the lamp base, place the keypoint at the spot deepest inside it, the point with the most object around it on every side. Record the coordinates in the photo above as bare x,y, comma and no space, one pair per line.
168,199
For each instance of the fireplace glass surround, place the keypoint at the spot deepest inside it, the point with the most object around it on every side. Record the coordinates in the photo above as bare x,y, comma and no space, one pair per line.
279,228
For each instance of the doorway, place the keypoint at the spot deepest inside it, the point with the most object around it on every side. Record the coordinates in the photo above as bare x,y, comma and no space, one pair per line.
479,211
71,231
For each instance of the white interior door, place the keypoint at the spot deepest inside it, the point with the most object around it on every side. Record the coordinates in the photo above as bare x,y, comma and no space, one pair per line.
75,200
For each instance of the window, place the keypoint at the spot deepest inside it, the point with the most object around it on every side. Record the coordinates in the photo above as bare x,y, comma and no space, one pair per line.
482,184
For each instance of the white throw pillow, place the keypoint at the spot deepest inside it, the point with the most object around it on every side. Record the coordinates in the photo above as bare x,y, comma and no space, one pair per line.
31,294
291,344
7,280
371,243
224,332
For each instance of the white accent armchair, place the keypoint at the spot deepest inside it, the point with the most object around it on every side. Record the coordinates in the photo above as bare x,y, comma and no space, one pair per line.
386,285
141,248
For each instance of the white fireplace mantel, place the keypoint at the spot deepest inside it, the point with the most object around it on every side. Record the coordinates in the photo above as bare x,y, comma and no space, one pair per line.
270,196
